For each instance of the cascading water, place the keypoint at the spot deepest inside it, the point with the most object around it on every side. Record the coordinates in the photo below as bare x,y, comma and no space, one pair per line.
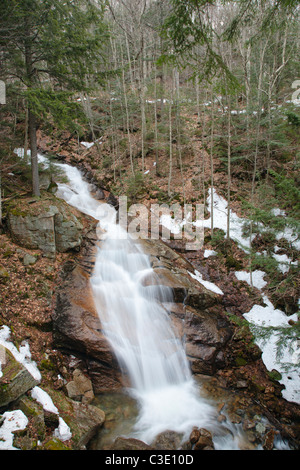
140,332
137,325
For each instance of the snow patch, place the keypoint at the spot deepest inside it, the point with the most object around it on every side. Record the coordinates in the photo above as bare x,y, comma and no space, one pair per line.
63,431
208,253
209,285
11,421
284,359
257,278
22,355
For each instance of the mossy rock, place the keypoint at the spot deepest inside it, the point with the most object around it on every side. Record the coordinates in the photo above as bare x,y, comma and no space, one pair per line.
47,224
15,380
55,444
84,420
35,413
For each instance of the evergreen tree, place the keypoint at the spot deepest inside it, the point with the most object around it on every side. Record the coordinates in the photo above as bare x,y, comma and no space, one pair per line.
50,49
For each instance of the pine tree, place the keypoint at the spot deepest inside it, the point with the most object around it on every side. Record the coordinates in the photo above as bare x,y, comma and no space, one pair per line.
51,49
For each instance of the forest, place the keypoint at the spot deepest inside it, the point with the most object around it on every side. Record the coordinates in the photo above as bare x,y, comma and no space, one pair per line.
176,103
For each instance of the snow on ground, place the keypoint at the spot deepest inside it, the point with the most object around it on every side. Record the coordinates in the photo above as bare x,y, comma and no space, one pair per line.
208,253
284,262
16,420
11,421
22,354
286,358
174,226
209,285
257,278
87,145
220,208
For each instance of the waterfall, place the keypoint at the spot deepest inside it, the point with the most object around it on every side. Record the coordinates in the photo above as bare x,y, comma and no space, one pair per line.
140,332
137,324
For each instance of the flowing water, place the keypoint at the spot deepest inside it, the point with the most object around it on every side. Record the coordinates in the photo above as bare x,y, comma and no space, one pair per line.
137,325
140,331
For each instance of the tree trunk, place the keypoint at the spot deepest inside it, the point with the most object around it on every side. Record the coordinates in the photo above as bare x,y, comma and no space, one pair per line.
229,168
34,157
26,134
171,150
155,125
127,112
31,116
0,201
212,164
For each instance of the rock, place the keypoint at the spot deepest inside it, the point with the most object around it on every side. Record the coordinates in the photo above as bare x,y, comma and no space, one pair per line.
77,328
68,232
269,440
80,388
55,444
24,442
89,419
206,334
260,428
4,275
15,380
83,420
33,231
35,412
29,260
242,384
195,435
122,443
167,440
205,441
49,225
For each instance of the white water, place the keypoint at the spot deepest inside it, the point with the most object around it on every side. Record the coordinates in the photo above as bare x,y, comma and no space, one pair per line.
137,325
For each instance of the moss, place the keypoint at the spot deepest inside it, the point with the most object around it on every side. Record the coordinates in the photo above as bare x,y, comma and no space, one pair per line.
46,364
55,444
240,361
17,212
231,262
274,375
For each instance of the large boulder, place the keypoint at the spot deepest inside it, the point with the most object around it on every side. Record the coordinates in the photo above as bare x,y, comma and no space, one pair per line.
47,224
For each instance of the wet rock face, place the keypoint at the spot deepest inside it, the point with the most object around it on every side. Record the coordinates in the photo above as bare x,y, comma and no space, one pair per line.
194,313
77,328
